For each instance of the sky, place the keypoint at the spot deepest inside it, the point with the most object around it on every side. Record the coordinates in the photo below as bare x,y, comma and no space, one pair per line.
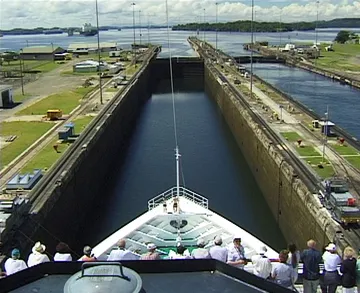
64,13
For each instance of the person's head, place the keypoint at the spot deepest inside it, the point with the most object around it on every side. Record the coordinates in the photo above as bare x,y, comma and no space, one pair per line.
292,248
283,255
331,248
62,247
262,250
311,244
201,243
237,241
121,243
349,252
180,249
15,253
87,250
151,247
218,240
38,248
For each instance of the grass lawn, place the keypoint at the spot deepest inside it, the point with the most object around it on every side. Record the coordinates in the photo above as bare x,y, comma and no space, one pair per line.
342,58
47,156
131,69
345,149
325,172
20,97
112,89
355,161
46,67
291,136
307,151
65,101
27,133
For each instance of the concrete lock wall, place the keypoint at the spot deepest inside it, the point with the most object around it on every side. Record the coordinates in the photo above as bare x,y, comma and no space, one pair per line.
298,213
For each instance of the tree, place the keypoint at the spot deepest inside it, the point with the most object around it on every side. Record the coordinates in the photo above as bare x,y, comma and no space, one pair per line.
342,37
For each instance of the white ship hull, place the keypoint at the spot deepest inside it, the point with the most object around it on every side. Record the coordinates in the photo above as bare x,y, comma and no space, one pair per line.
159,225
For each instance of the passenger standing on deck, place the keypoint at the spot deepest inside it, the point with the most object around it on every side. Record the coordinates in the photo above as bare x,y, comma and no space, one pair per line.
236,254
262,265
217,251
121,253
62,252
348,269
201,251
358,273
283,273
311,259
14,264
331,275
151,254
88,255
294,259
38,255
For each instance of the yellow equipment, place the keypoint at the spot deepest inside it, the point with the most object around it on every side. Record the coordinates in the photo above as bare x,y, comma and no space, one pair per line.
54,114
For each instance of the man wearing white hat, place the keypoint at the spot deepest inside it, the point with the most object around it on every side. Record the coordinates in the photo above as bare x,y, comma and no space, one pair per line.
331,274
38,255
151,254
236,253
262,265
217,251
201,251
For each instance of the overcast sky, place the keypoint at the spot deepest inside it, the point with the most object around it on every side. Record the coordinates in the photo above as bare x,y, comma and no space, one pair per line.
33,13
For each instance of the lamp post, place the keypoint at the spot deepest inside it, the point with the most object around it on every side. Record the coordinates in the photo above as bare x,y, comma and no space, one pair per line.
316,26
280,26
216,30
204,26
251,52
98,49
325,133
21,71
140,24
134,49
52,48
148,21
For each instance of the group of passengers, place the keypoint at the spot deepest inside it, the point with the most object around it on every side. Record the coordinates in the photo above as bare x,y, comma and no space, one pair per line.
344,271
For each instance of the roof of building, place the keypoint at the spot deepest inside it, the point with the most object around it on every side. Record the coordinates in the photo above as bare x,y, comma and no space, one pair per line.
40,50
75,46
5,87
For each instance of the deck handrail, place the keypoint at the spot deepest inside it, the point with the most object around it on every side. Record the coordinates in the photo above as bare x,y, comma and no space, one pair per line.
172,193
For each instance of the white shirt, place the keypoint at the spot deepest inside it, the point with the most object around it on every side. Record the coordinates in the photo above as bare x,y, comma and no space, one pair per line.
331,261
262,266
62,257
121,254
235,254
200,253
13,266
219,253
36,258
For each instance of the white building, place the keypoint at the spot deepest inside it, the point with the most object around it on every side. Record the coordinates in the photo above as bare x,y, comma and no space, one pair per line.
6,96
89,66
85,48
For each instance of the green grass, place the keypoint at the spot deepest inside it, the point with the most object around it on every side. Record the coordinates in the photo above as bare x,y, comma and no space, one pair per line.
307,151
131,69
65,101
291,136
70,72
19,97
340,58
112,89
355,161
47,66
47,157
325,172
345,149
27,133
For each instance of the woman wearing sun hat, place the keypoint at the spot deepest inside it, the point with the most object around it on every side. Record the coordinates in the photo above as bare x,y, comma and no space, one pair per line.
38,255
331,275
14,264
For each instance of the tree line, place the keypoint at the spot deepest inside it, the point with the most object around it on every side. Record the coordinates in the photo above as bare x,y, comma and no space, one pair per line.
245,25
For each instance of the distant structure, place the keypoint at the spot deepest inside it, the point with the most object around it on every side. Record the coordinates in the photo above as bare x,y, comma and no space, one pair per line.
88,30
40,53
6,96
87,48
24,181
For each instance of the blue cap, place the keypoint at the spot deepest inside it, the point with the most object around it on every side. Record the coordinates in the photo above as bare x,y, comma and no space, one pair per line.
15,252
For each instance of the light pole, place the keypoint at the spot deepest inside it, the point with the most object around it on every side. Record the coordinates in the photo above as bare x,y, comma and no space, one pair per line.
280,26
21,72
134,49
316,26
148,21
325,133
251,52
52,48
216,30
204,25
98,49
140,24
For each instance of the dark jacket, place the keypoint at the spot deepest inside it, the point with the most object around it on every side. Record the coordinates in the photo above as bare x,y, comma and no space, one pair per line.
311,259
348,269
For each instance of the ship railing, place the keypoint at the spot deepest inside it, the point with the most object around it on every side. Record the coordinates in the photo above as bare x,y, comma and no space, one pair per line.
183,192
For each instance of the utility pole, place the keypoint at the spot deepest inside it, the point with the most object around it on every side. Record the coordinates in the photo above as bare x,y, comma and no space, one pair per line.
316,26
99,51
21,71
140,24
252,49
148,20
52,48
204,26
280,26
134,49
325,133
216,31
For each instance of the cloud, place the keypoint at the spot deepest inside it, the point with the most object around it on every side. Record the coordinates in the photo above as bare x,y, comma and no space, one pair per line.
48,13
